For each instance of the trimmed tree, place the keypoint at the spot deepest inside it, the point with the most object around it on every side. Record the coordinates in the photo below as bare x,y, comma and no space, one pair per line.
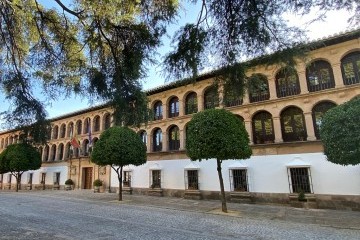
118,147
340,133
219,134
19,158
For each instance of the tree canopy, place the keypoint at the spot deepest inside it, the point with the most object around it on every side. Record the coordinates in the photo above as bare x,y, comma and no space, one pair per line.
219,134
340,133
119,147
18,158
101,49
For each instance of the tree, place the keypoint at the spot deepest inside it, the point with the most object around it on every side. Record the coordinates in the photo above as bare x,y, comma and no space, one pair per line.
340,133
118,147
219,134
101,49
18,158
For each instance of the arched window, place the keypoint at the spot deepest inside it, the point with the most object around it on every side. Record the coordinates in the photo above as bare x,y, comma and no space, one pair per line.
263,130
62,130
258,88
191,104
158,110
94,141
46,154
319,76
174,138
143,136
174,107
79,127
68,150
53,153
318,112
287,82
232,98
157,140
87,125
61,152
293,125
350,68
70,129
85,147
55,132
96,124
107,121
211,98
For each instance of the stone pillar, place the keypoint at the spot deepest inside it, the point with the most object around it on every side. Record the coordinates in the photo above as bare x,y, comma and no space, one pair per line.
309,126
248,129
200,99
181,108
246,99
277,130
182,139
148,142
272,89
338,78
165,111
221,96
165,141
303,82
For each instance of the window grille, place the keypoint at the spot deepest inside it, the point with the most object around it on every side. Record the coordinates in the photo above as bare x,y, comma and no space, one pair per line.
158,111
319,76
317,113
174,138
287,83
293,125
258,88
43,178
192,179
191,105
263,130
232,98
56,178
127,179
300,180
239,180
350,68
174,107
155,179
157,140
211,98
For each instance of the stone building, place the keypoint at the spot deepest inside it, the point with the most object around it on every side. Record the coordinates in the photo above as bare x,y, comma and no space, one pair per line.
282,116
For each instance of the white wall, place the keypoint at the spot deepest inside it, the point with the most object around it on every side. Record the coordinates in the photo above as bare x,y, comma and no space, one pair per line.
266,174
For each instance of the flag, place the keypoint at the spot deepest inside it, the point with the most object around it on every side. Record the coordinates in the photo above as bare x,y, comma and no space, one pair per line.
75,143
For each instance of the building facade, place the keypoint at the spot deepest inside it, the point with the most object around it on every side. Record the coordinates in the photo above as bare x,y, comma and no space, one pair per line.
282,114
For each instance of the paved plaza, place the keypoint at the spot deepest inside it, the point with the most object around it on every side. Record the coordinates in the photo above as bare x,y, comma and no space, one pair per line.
86,215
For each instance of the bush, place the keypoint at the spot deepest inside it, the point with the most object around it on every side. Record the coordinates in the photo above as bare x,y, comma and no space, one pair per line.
98,183
69,182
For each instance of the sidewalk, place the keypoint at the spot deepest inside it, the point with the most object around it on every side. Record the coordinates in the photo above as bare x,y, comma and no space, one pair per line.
323,217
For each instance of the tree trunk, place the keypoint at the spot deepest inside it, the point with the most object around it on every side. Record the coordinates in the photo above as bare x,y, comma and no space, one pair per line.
222,195
120,182
17,182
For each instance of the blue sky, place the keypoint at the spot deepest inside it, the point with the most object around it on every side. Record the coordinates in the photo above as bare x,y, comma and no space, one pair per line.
336,22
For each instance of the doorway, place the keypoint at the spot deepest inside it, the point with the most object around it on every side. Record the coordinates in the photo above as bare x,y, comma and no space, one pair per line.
87,176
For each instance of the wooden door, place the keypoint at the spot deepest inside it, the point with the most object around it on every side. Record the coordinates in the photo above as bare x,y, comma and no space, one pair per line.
88,178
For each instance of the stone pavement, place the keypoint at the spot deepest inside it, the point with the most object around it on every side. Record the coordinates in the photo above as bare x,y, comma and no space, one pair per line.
323,217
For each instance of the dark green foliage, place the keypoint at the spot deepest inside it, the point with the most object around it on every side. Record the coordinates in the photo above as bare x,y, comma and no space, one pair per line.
69,182
95,49
217,133
340,133
119,147
97,183
18,158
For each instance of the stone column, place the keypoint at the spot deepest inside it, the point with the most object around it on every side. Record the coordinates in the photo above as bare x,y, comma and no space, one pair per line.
200,101
181,108
338,78
309,126
303,82
277,130
165,141
165,111
182,139
246,99
248,129
272,89
148,142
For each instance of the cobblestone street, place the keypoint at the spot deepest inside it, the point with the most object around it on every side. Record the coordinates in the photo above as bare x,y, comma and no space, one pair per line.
86,215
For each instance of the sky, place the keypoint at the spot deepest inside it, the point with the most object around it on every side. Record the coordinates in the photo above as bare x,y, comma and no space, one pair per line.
336,22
